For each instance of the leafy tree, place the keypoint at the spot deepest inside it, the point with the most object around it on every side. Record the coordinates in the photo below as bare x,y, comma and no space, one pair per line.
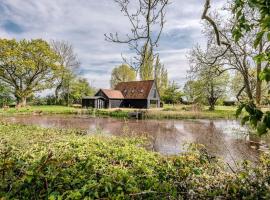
69,63
161,77
27,66
208,86
5,94
123,73
79,88
147,67
191,91
172,94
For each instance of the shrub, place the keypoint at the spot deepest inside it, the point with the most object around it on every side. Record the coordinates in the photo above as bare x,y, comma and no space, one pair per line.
38,163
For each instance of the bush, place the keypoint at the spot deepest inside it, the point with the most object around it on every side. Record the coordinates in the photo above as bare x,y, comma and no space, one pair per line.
38,163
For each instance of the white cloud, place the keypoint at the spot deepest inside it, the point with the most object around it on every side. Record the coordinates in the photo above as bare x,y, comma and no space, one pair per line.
84,22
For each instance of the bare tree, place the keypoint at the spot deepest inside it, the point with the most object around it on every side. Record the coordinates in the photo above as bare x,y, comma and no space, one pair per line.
69,62
147,22
239,48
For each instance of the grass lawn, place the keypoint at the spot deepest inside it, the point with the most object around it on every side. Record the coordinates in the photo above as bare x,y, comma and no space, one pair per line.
168,112
40,163
41,109
174,112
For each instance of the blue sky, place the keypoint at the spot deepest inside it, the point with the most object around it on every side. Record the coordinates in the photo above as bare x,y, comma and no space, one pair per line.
83,23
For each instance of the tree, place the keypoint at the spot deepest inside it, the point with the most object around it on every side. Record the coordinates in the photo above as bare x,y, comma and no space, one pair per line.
237,51
5,94
69,62
172,94
79,88
255,116
147,67
147,18
27,66
123,73
191,91
161,76
208,85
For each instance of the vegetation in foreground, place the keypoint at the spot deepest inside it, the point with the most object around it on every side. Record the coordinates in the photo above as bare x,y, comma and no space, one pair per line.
38,163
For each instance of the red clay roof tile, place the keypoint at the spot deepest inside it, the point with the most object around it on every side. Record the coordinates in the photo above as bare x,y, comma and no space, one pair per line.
135,89
113,94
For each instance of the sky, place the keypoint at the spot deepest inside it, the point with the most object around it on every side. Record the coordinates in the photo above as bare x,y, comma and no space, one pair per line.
83,24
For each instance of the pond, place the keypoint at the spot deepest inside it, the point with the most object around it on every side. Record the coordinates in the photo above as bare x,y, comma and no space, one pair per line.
223,138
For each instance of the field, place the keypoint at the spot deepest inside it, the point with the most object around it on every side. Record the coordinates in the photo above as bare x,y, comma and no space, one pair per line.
168,112
41,109
173,112
38,163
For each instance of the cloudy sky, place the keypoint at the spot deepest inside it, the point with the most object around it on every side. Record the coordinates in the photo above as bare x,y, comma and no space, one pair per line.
84,22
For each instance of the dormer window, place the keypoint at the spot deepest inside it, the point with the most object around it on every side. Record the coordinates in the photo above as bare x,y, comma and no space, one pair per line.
141,90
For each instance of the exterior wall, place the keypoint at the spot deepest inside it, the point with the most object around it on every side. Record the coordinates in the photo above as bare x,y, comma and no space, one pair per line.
86,103
153,97
135,103
115,103
93,103
106,102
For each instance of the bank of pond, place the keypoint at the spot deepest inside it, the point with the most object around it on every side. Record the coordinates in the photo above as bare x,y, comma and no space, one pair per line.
168,112
56,163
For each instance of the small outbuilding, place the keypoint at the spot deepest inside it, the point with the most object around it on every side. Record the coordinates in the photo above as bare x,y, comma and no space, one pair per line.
93,102
133,94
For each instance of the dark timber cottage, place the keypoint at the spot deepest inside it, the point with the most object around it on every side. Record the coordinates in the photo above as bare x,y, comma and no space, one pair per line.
134,94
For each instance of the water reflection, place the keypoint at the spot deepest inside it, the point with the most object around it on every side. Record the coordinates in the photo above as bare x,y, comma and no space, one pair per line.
223,138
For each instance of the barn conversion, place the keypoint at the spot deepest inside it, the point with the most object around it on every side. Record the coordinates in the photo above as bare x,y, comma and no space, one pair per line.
133,94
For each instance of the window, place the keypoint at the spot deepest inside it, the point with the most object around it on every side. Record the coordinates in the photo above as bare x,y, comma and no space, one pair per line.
155,93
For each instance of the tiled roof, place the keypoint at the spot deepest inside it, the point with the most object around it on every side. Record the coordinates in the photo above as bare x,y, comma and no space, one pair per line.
135,89
113,94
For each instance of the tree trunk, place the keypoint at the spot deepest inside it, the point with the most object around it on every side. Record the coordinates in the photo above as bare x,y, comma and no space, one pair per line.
247,86
259,82
21,101
56,93
212,99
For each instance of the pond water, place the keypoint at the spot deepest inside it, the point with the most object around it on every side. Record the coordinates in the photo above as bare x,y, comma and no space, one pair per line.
223,138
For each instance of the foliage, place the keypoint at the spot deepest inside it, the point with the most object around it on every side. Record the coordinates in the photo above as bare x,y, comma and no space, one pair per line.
172,94
147,67
5,94
38,163
161,76
207,85
257,118
79,88
122,73
27,66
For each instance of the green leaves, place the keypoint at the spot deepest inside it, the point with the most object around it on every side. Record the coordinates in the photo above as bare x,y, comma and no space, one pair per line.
32,63
55,164
258,39
259,120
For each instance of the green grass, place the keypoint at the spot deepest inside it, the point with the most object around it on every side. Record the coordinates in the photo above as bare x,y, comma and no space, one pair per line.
39,163
173,112
41,109
188,112
168,112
